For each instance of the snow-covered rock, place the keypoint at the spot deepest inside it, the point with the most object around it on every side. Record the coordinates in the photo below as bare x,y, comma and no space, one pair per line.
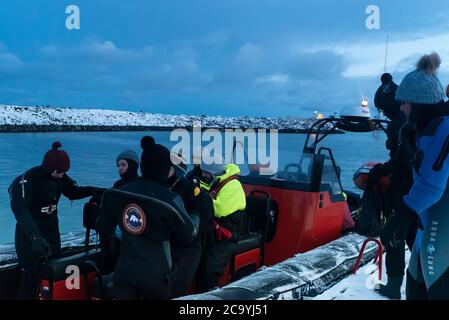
53,116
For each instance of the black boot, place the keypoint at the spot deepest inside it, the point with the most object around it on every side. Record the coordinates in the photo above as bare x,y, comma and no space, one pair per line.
392,290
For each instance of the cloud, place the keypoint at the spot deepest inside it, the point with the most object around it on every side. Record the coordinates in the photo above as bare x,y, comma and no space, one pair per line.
367,59
302,82
249,55
210,74
274,78
209,69
240,67
10,64
318,65
215,40
102,73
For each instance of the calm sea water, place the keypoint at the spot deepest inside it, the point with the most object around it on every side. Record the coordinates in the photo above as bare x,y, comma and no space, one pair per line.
93,157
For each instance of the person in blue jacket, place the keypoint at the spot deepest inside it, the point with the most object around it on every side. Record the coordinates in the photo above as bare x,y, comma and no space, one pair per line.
422,100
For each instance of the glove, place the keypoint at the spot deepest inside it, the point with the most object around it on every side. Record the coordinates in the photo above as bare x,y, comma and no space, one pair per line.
403,209
195,175
394,231
203,203
39,246
221,233
96,193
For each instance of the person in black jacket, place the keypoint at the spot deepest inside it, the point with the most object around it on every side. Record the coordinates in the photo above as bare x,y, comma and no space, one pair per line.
34,201
149,216
196,201
399,169
384,100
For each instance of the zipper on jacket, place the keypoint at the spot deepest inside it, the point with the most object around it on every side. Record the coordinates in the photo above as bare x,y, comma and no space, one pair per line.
438,165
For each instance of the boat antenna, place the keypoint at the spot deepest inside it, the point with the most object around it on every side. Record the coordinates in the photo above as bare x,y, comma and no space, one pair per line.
360,91
386,53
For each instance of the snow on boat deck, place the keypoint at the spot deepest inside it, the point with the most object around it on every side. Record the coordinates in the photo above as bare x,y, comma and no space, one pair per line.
359,286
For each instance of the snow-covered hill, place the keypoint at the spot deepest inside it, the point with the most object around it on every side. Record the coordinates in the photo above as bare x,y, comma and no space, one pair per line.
53,116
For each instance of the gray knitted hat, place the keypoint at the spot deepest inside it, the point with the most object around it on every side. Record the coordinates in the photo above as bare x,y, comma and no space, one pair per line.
128,155
422,85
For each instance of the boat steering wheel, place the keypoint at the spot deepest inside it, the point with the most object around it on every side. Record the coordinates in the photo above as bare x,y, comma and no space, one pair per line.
297,175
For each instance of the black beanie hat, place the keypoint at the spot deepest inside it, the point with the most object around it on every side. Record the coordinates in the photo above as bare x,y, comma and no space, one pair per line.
385,97
385,78
155,162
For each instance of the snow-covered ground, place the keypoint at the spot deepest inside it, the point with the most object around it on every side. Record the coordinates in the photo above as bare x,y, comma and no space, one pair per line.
25,115
360,285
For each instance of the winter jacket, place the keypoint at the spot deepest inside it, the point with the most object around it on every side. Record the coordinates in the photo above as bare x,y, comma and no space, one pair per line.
228,198
118,184
148,215
34,200
397,165
196,201
122,182
429,198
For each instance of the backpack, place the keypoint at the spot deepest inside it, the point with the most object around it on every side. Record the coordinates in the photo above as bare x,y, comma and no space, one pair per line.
371,213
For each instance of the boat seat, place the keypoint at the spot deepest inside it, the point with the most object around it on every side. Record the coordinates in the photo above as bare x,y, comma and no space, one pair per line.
91,212
54,274
55,269
253,224
256,217
248,242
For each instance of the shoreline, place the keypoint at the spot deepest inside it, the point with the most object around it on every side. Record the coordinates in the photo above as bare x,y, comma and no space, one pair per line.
90,128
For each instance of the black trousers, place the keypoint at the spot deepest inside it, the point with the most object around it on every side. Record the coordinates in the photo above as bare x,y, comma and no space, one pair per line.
213,264
416,290
186,259
29,263
395,257
135,280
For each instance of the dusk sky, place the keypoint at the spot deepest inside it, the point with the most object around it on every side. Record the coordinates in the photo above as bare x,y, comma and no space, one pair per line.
228,57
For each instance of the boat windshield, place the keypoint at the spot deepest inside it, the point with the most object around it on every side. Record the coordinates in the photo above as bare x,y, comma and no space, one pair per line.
289,165
294,167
